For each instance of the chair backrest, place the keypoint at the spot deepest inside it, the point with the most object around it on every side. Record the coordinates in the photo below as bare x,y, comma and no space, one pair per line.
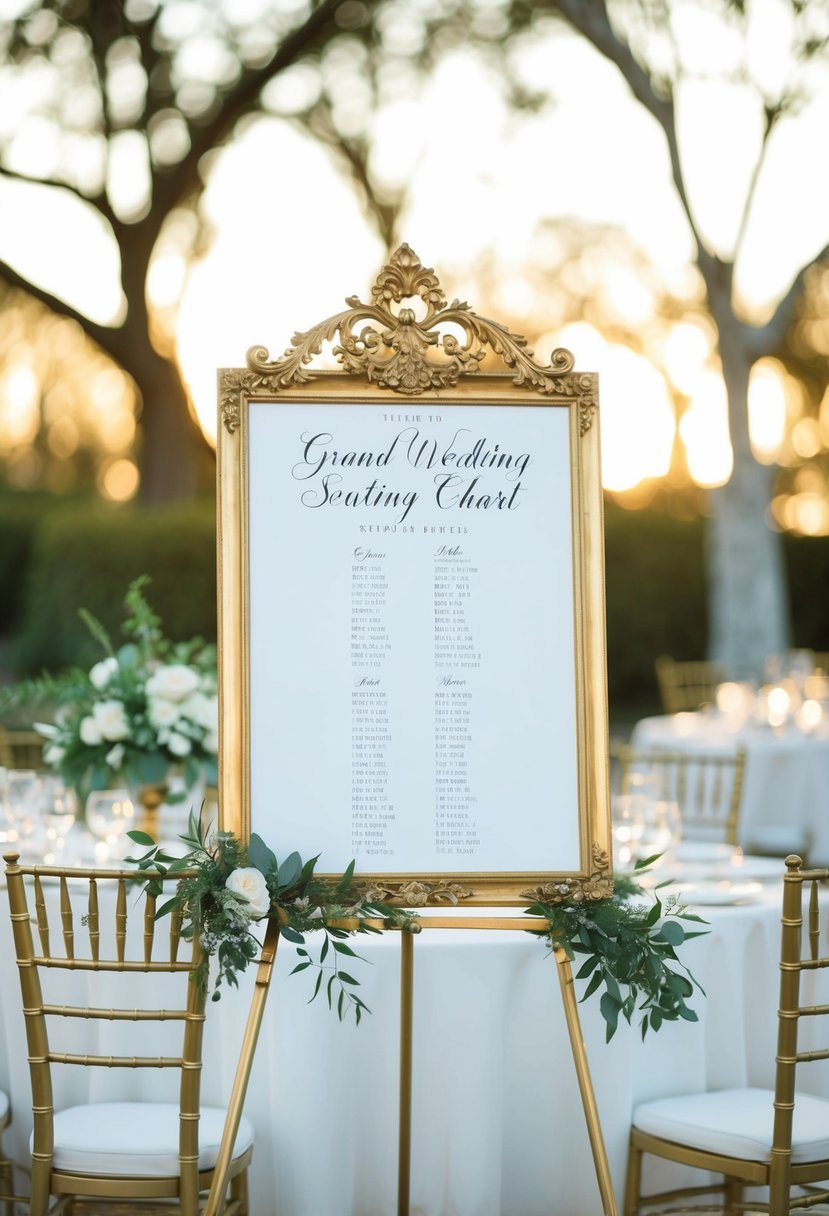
20,748
707,787
797,1017
81,944
688,684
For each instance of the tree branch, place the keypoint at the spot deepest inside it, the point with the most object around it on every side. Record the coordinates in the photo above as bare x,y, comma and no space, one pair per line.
110,339
183,178
98,201
768,337
590,18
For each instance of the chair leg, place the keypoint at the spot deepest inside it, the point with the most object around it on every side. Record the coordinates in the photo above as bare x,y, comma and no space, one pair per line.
239,1190
733,1196
7,1186
633,1180
39,1202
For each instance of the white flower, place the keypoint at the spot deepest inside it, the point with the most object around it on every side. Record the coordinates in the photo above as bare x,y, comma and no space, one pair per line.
202,710
249,884
174,682
115,756
178,744
45,730
111,719
210,743
162,712
90,732
54,753
102,672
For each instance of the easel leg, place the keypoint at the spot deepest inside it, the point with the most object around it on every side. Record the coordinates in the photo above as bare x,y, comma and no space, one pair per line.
588,1098
221,1169
405,1141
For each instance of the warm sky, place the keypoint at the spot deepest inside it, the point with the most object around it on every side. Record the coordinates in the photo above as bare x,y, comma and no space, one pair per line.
290,241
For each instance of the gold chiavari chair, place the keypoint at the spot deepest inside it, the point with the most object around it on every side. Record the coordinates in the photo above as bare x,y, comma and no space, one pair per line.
125,1151
20,748
687,685
753,1137
707,788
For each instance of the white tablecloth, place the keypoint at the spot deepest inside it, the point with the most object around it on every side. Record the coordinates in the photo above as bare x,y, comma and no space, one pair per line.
786,778
497,1120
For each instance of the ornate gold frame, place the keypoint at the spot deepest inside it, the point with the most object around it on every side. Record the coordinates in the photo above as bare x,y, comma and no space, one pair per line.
385,353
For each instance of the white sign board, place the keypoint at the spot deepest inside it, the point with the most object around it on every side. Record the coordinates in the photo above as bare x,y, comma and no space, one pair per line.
413,696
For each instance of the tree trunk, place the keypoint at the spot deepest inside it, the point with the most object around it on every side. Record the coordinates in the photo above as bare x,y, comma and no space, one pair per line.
747,595
174,458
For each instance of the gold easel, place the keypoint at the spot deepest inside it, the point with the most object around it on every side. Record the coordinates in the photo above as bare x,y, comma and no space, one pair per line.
411,356
407,940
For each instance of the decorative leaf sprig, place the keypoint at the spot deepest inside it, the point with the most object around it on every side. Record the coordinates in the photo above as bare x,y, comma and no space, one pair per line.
630,947
230,887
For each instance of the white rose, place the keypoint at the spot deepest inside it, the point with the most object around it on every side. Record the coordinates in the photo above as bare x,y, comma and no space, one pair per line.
175,682
90,732
249,884
111,719
178,744
202,710
115,756
162,712
54,753
102,672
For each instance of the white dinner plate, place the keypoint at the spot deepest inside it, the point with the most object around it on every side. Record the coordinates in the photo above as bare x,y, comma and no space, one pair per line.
704,850
758,869
719,893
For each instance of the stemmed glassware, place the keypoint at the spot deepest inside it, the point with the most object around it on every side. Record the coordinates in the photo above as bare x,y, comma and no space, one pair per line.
109,816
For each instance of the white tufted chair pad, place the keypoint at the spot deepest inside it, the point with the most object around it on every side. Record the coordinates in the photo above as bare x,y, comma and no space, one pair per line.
135,1139
736,1123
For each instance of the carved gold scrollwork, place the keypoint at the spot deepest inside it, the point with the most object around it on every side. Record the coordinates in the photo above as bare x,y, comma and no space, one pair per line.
417,894
598,884
408,354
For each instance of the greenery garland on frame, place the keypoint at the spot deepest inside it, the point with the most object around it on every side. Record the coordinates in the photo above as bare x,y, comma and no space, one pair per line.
630,944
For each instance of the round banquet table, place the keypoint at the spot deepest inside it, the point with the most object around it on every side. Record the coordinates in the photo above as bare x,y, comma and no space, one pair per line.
497,1120
786,775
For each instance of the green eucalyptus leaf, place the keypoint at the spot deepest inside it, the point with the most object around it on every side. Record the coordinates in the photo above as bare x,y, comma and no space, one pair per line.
289,871
140,837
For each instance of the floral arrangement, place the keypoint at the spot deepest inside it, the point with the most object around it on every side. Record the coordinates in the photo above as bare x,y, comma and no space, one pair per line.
230,887
147,707
630,941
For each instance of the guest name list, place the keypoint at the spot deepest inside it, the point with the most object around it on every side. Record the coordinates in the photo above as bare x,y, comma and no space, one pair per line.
413,696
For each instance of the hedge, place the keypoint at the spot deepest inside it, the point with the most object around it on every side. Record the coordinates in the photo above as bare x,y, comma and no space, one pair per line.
87,555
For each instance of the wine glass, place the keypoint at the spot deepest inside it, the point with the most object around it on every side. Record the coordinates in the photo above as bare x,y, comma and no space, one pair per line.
60,808
109,816
627,825
22,805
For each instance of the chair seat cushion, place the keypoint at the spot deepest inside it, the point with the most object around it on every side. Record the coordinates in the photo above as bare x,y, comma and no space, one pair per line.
736,1123
135,1139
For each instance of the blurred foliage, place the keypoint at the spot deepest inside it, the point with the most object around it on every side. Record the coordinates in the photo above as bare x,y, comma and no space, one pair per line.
54,561
86,557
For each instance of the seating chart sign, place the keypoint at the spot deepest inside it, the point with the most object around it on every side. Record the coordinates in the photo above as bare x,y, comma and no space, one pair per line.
411,642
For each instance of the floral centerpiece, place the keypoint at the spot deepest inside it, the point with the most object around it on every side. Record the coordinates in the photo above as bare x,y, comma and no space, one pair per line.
629,942
146,710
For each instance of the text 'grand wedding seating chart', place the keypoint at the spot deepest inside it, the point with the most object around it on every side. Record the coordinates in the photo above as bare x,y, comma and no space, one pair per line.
412,615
